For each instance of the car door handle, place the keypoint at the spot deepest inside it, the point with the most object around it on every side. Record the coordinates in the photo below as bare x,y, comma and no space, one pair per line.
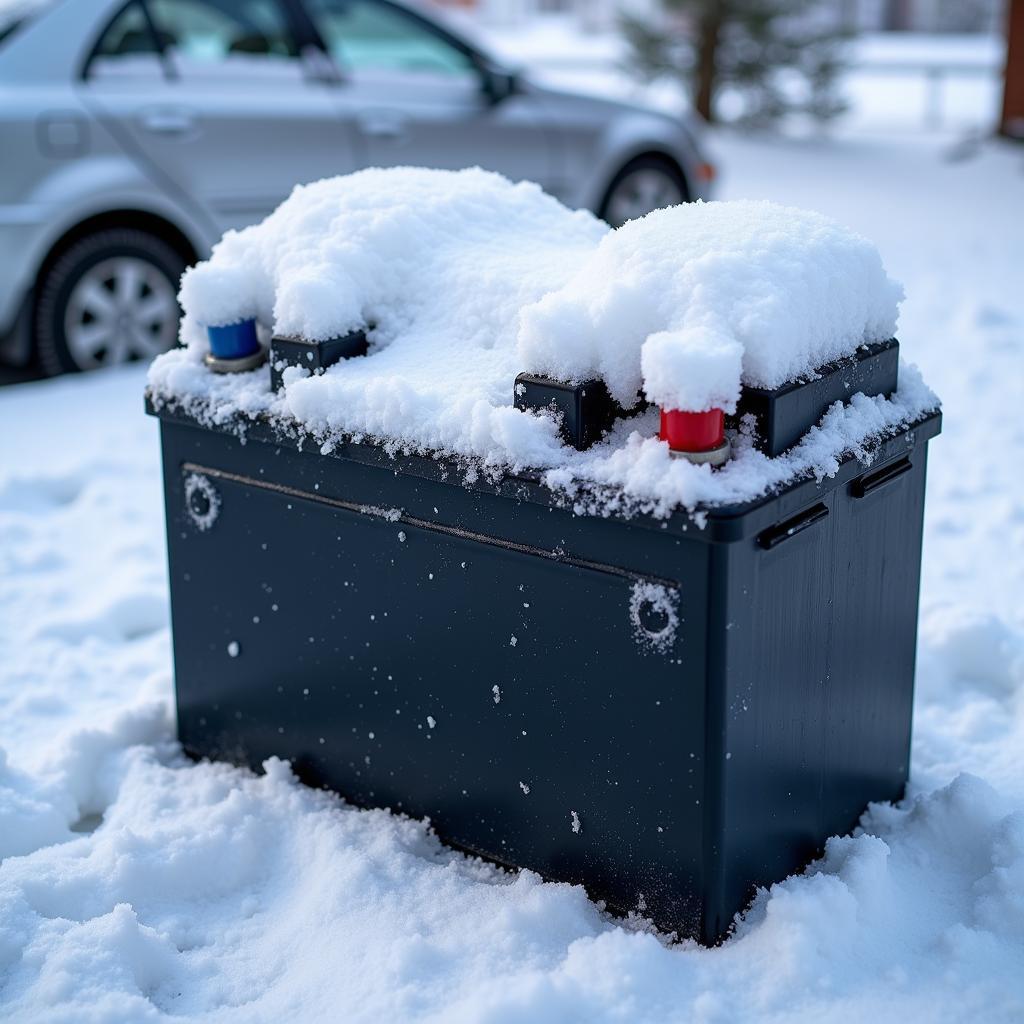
168,121
383,126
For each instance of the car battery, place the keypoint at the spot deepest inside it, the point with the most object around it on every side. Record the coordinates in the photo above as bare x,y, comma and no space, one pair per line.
668,711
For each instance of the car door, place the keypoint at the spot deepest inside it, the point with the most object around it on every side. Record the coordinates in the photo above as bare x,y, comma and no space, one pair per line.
233,118
418,96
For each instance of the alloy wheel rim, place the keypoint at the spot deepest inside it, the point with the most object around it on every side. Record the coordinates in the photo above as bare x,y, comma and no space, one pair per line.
641,192
122,308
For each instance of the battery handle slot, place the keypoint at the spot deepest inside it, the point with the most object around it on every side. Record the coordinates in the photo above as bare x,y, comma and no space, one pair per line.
869,482
775,535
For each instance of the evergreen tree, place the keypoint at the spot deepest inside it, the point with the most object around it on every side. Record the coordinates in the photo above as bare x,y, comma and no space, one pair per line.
782,56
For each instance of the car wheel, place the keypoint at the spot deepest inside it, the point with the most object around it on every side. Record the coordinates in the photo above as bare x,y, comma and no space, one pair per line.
645,184
110,298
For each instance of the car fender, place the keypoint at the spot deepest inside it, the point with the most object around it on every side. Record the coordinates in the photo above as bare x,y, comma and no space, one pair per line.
103,184
626,138
76,192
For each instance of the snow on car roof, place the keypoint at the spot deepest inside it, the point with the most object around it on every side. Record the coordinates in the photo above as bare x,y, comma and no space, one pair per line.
463,280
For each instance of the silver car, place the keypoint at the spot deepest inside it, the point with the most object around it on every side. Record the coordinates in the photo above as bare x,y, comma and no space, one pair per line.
133,134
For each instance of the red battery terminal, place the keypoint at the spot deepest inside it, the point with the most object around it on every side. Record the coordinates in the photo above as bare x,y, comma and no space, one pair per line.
698,437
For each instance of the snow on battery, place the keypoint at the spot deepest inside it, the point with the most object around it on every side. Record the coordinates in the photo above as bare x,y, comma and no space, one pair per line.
678,463
504,329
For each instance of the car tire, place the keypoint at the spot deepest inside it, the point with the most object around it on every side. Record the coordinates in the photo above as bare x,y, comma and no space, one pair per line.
110,298
644,184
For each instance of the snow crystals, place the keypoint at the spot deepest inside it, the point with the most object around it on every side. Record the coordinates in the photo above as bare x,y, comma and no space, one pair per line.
391,515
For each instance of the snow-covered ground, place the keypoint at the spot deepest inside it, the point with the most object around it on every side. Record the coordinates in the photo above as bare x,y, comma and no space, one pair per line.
136,885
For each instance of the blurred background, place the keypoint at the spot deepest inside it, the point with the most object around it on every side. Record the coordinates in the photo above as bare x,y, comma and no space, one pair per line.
133,134
903,64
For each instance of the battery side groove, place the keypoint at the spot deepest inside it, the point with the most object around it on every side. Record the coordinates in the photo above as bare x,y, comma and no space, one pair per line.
426,524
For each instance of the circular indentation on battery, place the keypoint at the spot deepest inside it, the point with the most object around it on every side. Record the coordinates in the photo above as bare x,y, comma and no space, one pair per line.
652,611
653,620
199,503
202,500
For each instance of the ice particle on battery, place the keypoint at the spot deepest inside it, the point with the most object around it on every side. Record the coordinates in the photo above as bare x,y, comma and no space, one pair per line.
431,721
577,827
513,641
233,649
525,788
496,690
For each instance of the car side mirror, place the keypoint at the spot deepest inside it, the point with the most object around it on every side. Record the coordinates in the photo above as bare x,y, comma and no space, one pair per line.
497,83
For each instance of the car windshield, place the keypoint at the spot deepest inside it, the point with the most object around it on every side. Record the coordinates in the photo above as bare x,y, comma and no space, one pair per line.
14,13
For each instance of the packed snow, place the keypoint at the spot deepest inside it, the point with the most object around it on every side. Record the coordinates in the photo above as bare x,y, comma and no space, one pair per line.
462,280
136,886
672,304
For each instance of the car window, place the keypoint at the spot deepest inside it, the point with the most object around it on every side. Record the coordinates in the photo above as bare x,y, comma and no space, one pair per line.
363,35
127,48
127,35
211,32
